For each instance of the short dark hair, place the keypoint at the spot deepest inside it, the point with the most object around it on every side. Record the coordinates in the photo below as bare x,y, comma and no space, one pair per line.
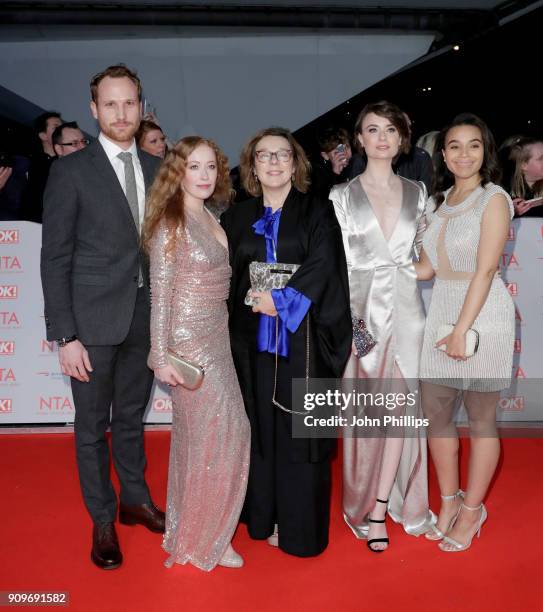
391,112
331,137
490,170
117,71
40,122
56,138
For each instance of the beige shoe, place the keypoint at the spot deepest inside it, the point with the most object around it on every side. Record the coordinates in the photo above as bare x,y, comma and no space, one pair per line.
231,558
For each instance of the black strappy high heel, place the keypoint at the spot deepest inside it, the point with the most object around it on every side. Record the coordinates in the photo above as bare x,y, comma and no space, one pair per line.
374,540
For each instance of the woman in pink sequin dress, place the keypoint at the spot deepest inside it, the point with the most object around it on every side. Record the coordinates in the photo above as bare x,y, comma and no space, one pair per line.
190,279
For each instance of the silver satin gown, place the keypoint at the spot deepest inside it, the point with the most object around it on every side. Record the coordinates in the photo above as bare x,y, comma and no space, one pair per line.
384,293
210,439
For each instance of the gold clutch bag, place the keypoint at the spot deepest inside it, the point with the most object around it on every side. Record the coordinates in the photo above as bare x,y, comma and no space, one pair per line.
192,373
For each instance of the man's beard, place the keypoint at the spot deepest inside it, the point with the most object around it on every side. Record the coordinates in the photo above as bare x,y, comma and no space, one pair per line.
125,134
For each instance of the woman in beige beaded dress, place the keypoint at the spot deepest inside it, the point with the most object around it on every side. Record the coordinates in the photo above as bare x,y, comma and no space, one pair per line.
190,279
382,221
462,247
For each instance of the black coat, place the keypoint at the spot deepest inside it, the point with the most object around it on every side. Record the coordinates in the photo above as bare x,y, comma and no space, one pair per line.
91,250
309,235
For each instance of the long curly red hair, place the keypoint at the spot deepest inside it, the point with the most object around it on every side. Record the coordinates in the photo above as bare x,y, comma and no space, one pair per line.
165,200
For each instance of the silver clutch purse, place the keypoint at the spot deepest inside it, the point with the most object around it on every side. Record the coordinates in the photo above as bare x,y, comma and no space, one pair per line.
267,276
472,338
192,373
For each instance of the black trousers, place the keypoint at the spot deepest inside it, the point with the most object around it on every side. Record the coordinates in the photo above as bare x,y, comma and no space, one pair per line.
295,495
117,395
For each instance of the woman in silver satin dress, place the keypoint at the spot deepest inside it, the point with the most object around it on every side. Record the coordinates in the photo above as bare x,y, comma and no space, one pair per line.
382,217
190,279
462,247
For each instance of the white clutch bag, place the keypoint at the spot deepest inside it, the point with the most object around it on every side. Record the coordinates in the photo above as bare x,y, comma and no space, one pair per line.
472,338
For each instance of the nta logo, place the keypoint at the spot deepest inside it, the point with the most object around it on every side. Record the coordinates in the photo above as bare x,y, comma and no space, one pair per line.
8,319
7,375
48,347
56,403
10,263
509,260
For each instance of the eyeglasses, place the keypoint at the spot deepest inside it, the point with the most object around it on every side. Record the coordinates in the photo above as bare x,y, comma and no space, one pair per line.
283,155
74,143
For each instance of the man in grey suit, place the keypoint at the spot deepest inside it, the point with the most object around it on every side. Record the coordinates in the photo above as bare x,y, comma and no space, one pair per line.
95,281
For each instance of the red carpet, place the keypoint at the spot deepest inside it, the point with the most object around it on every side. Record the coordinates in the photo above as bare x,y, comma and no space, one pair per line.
45,545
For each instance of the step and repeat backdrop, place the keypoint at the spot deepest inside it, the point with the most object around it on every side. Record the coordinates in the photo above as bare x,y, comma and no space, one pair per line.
33,390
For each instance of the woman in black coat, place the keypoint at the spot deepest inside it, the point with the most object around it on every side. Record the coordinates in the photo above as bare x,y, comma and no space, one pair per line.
288,496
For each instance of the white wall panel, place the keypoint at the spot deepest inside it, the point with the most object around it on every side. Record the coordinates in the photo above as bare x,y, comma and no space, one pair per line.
222,87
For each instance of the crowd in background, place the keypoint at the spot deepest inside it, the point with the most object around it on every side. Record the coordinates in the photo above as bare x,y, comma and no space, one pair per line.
22,180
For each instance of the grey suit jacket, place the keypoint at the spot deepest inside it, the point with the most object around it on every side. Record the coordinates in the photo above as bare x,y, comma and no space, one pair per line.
91,251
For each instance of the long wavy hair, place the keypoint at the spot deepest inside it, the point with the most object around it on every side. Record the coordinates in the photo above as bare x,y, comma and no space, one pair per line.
166,200
302,167
490,171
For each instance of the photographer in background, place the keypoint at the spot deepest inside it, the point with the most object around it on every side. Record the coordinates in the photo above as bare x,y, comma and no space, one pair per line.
44,126
335,164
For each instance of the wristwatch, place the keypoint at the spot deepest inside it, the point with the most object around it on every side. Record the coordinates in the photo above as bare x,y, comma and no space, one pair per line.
64,341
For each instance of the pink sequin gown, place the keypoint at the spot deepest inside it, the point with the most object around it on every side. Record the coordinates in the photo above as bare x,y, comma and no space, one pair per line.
210,439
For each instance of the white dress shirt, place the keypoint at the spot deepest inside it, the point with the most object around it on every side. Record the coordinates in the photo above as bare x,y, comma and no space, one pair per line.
112,150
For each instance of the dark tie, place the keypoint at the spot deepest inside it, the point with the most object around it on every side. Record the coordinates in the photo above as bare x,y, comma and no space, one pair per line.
131,190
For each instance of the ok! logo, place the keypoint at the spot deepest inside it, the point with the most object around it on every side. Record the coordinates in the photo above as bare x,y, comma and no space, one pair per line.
512,404
162,404
9,236
6,405
7,347
8,292
512,288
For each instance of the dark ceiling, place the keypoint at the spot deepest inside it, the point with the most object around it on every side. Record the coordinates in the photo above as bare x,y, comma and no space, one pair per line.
77,19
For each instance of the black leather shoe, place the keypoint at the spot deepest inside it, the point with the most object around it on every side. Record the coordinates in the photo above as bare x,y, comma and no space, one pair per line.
144,514
105,553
